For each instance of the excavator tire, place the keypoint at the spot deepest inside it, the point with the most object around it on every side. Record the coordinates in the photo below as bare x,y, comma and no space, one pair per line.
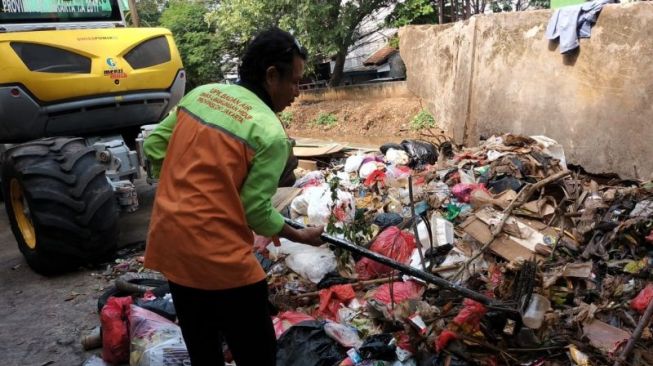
61,206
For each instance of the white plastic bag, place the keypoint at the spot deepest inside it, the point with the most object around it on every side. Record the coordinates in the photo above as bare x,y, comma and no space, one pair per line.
397,157
368,168
353,163
155,340
345,335
313,263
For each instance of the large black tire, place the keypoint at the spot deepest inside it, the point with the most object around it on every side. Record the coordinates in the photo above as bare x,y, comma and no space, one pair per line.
61,206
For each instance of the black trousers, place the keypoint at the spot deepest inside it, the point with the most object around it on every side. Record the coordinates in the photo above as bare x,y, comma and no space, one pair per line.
240,315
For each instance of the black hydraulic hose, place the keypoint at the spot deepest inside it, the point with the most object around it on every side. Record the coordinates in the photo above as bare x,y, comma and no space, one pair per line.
408,270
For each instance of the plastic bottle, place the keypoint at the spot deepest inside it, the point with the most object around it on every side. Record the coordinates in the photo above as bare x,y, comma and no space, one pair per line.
534,314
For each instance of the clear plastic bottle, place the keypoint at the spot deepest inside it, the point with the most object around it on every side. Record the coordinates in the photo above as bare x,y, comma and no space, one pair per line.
534,314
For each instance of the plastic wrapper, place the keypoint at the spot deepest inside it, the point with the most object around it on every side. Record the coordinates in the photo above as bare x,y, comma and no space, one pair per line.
392,243
287,319
345,335
333,298
640,302
401,291
155,340
115,329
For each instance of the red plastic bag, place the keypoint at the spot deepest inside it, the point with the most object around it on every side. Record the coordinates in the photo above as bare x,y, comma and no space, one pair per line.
463,191
640,302
443,339
331,298
287,319
401,291
115,330
376,176
469,317
392,243
649,238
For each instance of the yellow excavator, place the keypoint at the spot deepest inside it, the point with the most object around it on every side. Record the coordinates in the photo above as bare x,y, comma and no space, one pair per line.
78,89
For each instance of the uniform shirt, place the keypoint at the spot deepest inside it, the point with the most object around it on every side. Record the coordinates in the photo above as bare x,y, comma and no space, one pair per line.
224,151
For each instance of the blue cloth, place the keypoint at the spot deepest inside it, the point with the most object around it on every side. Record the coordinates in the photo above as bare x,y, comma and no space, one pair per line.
572,22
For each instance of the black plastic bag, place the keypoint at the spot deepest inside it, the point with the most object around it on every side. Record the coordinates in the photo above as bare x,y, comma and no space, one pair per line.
306,344
387,219
420,152
161,306
377,347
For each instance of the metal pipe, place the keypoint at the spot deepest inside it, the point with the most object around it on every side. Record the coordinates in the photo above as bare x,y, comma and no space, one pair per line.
425,276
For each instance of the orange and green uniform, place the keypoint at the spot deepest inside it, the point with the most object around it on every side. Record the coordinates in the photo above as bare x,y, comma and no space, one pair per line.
224,151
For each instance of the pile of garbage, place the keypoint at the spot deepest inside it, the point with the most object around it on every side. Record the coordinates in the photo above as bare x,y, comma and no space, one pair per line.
498,254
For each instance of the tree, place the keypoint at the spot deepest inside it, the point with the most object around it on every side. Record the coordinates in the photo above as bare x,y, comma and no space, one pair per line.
333,27
196,40
325,27
150,11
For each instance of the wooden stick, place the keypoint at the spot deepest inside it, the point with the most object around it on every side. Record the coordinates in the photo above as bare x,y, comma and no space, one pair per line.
355,284
643,323
521,198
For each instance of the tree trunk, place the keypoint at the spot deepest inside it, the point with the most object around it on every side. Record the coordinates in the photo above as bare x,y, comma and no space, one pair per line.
136,20
336,77
441,11
468,9
453,11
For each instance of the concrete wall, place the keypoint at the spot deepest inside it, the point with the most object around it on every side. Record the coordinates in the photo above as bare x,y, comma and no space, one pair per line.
498,73
394,89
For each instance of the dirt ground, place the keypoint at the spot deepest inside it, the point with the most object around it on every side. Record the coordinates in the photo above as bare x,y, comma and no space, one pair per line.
43,319
371,122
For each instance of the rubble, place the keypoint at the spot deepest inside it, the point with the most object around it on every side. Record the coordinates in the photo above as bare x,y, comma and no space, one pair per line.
499,254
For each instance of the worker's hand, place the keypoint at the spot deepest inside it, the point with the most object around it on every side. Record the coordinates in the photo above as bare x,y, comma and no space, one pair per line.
311,235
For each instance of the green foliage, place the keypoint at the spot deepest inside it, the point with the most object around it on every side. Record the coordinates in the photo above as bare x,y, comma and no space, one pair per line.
286,118
325,119
149,11
413,12
196,40
422,120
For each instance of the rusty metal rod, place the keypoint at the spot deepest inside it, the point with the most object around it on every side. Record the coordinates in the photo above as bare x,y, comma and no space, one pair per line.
643,323
408,270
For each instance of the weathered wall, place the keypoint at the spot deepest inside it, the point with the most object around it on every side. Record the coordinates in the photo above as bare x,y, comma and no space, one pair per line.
499,73
394,89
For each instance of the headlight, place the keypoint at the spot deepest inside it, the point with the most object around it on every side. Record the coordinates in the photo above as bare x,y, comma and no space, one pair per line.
42,58
149,53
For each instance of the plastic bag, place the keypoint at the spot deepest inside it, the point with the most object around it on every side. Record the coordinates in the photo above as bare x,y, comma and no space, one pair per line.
332,298
369,167
312,263
401,291
307,344
397,157
161,305
95,361
420,152
392,243
321,205
346,336
155,340
463,191
287,319
378,347
353,163
384,220
312,179
397,176
115,329
640,302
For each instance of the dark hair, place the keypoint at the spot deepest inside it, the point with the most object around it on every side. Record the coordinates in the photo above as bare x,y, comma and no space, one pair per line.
272,47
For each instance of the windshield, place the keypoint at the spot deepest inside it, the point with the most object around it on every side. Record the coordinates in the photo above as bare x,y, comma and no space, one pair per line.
58,11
